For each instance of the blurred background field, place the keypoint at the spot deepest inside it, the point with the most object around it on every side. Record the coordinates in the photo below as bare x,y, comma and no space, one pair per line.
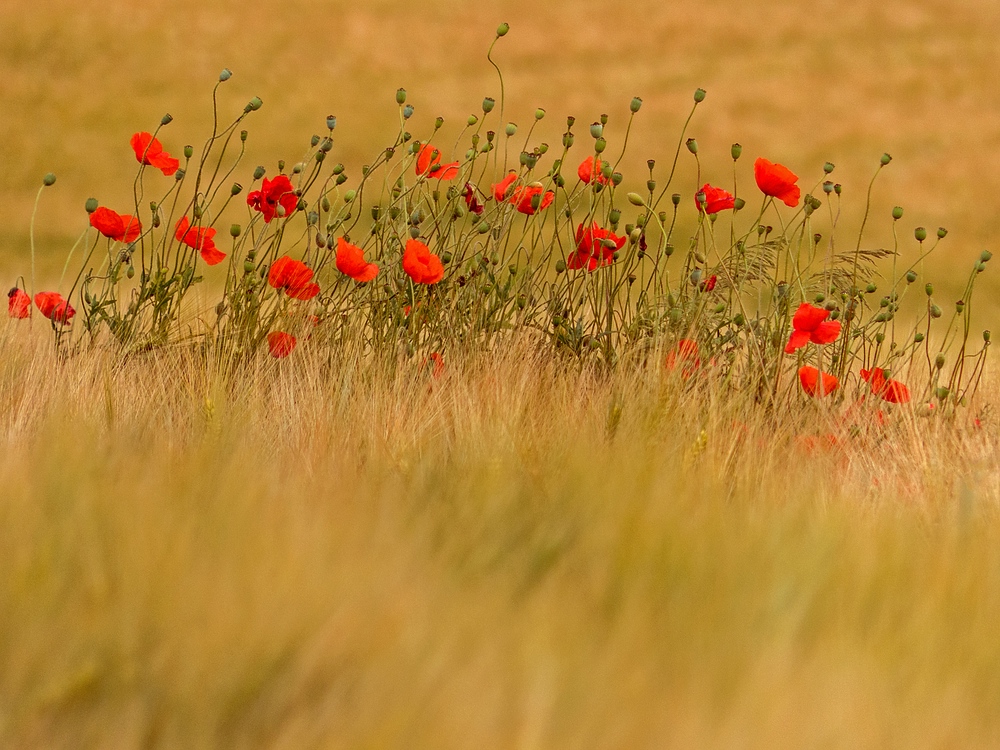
800,83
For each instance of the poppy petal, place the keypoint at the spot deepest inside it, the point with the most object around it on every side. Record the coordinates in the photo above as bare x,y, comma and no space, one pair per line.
826,332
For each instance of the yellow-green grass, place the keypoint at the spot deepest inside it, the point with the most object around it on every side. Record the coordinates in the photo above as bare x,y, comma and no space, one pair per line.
517,554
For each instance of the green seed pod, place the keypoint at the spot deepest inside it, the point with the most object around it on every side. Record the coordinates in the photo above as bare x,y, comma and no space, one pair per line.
599,145
985,256
699,96
879,338
488,104
235,230
738,204
935,311
736,151
567,140
258,173
911,276
980,267
929,288
635,199
446,257
837,188
827,168
166,119
616,178
539,113
635,104
49,179
675,199
986,336
400,96
692,145
511,129
870,289
483,227
91,205
502,29
614,215
719,308
885,159
331,122
407,111
414,232
960,307
248,266
897,213
942,233
941,392
668,249
918,337
827,187
560,268
739,320
920,233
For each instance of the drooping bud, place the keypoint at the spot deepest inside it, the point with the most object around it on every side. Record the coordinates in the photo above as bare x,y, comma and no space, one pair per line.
942,233
225,75
885,159
828,167
911,276
502,29
692,145
49,179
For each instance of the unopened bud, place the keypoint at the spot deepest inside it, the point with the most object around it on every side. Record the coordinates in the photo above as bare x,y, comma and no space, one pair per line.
502,29
635,199
885,159
49,179
539,113
736,150
235,230
91,205
438,122
699,95
692,145
911,276
738,203
920,233
635,104
225,75
401,96
935,311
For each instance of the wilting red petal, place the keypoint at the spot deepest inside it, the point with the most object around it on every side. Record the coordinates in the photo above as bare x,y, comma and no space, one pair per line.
815,383
826,332
54,307
469,193
502,189
280,343
18,303
420,264
777,181
148,150
351,262
797,340
716,199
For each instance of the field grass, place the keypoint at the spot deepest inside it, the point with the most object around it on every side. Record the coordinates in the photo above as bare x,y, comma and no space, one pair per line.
525,552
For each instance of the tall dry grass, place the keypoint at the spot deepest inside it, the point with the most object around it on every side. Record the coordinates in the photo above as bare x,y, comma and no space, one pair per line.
516,554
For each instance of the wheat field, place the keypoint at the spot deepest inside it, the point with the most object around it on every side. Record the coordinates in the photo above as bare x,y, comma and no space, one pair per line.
343,552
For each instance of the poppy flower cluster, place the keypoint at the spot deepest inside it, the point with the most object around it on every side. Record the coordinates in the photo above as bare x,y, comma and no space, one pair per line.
293,277
716,199
274,193
149,151
522,196
351,262
420,264
594,247
777,181
810,324
429,164
200,239
115,226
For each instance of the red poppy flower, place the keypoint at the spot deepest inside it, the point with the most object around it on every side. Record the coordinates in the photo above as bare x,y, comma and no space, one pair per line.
816,383
429,164
684,356
589,171
469,193
888,390
716,199
709,284
593,248
294,278
280,344
810,324
54,307
149,151
18,303
522,198
351,262
777,181
274,193
503,189
420,264
120,227
436,362
200,239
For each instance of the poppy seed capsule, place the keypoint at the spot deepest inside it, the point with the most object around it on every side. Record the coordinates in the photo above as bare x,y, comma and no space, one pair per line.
488,104
483,227
331,122
604,120
827,187
942,233
675,199
166,119
738,204
897,213
314,141
699,96
986,336
225,75
91,205
692,145
510,129
407,111
885,159
635,104
935,311
401,96
920,233
599,145
438,122
259,172
984,257
179,175
236,189
911,276
502,29
49,179
596,130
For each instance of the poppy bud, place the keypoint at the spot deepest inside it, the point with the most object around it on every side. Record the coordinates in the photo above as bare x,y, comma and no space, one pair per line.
696,276
980,266
885,159
675,199
314,141
986,336
616,178
179,175
911,276
738,203
985,256
502,29
699,96
407,111
635,199
941,392
870,289
253,105
692,145
483,227
942,233
539,113
837,188
635,104
488,104
929,288
920,233
91,205
331,122
897,213
635,235
816,238
438,122
414,232
542,148
49,179
599,145
446,257
225,75
341,179
935,311
736,150
560,181
510,129
827,187
338,168
604,120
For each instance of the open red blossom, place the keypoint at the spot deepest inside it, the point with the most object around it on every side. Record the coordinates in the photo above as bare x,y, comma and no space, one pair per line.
589,171
149,151
293,277
280,344
716,199
18,303
810,324
684,356
504,189
777,181
119,227
888,390
274,193
54,307
429,164
420,264
816,383
200,239
594,247
469,193
351,262
523,198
